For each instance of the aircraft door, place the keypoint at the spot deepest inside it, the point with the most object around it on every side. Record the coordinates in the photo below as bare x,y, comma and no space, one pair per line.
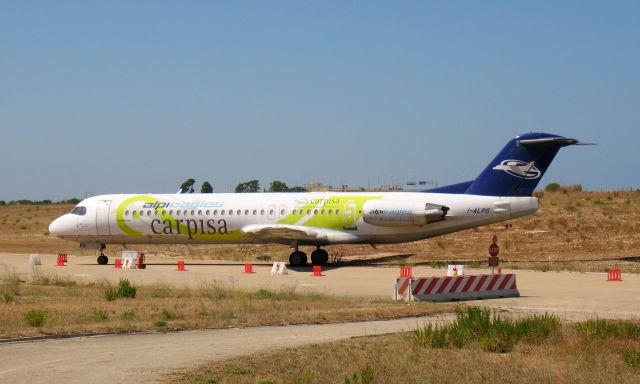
102,217
350,215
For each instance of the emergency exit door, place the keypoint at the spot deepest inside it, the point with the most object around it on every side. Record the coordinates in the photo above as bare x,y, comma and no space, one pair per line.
350,216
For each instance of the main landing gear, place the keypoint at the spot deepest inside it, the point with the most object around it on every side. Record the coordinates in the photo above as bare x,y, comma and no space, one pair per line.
103,259
299,258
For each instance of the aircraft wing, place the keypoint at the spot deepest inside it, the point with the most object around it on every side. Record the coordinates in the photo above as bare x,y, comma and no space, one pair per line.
287,232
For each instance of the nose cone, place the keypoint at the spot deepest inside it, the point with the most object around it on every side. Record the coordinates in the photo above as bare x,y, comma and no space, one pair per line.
60,227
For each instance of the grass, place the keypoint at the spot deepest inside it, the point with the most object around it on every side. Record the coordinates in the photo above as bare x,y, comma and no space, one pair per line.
76,307
35,317
632,358
566,357
98,314
128,315
605,329
483,329
124,290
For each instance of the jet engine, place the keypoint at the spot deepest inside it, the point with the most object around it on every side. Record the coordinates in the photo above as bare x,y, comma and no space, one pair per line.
390,213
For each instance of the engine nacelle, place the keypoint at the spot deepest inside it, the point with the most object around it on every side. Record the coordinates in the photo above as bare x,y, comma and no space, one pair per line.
390,213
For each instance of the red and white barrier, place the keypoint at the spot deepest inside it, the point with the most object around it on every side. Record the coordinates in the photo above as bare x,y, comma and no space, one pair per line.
614,275
446,288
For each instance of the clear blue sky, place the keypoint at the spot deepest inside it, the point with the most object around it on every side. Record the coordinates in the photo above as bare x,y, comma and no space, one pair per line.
122,96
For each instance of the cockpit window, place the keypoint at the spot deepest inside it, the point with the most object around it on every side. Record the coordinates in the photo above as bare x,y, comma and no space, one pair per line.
80,211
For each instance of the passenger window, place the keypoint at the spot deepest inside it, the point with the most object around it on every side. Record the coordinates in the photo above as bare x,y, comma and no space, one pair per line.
208,212
322,211
171,212
271,211
262,212
255,212
193,212
293,212
282,212
177,213
330,211
185,212
239,212
148,213
215,213
200,212
222,213
315,211
133,213
337,211
308,211
164,212
126,213
246,212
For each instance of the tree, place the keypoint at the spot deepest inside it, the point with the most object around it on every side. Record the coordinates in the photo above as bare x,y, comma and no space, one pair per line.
552,187
187,186
277,186
206,188
248,186
297,189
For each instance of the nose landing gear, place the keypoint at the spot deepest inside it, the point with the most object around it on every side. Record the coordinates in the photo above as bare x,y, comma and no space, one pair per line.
103,259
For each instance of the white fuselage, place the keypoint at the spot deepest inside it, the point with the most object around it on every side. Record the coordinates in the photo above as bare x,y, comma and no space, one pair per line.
320,218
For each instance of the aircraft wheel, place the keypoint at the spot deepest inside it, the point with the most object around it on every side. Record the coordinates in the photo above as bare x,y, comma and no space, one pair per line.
319,257
103,260
298,259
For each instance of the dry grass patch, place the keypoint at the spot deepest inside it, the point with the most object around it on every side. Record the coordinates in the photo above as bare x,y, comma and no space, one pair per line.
73,307
571,357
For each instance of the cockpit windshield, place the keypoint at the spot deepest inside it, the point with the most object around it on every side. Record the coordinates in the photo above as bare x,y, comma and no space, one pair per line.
80,211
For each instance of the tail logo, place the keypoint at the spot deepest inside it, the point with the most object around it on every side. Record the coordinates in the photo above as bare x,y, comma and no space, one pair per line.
519,168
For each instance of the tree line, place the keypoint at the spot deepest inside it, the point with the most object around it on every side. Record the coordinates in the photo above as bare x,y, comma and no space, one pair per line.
245,187
73,201
186,187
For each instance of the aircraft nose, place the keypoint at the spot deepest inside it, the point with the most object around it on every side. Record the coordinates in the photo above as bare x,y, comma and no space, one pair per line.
60,226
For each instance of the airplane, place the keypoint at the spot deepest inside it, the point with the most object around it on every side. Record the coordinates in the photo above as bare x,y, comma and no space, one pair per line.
502,191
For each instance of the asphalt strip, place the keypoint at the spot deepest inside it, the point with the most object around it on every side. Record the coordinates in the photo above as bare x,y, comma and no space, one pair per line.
146,357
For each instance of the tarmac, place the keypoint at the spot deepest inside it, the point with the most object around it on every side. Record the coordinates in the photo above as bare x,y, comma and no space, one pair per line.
149,358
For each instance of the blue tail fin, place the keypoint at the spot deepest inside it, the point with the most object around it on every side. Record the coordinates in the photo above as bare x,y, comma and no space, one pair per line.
520,165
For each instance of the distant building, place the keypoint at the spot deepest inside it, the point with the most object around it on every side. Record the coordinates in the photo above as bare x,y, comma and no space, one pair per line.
411,186
317,187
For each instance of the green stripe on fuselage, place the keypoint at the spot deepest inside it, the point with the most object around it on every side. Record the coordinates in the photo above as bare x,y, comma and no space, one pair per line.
194,228
343,204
